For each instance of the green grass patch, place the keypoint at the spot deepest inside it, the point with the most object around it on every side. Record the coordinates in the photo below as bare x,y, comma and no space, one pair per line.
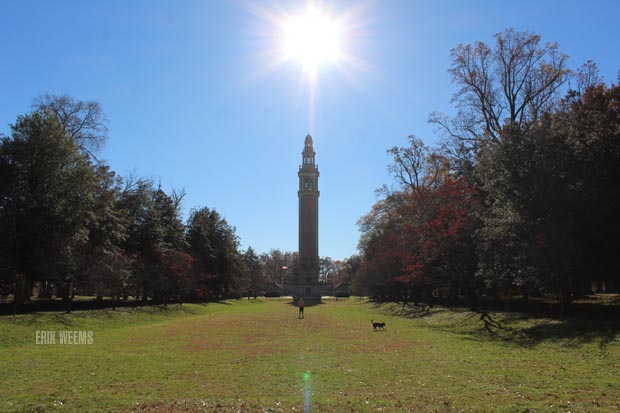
257,356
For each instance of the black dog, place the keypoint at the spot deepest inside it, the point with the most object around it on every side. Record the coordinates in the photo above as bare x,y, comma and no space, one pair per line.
377,325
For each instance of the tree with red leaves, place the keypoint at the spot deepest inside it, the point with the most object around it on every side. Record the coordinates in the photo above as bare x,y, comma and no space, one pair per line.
419,239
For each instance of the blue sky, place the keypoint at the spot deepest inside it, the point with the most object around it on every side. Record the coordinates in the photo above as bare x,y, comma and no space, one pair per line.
193,100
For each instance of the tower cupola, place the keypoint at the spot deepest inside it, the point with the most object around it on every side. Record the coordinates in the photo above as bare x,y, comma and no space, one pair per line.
308,153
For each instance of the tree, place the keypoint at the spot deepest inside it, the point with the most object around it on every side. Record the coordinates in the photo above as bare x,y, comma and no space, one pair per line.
68,222
422,235
439,234
275,264
214,245
551,192
106,263
588,76
169,264
380,245
253,277
350,268
179,268
46,203
590,126
510,86
155,237
328,268
417,165
83,122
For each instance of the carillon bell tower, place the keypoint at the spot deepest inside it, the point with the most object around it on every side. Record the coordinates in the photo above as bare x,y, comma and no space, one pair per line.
307,276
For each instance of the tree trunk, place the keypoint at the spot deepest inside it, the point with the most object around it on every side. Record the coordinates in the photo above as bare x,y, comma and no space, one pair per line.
472,297
19,291
567,300
68,294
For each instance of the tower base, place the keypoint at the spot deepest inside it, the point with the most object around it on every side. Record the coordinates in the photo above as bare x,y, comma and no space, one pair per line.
312,291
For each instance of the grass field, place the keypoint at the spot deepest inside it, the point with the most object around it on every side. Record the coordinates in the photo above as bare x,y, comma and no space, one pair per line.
256,356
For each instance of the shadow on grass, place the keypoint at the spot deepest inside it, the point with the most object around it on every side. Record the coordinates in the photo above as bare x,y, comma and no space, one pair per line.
411,310
569,333
53,305
525,330
107,313
521,329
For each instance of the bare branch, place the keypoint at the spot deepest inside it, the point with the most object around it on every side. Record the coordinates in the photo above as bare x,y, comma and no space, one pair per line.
510,85
82,121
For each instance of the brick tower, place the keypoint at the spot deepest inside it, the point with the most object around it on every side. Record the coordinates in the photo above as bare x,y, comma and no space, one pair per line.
307,276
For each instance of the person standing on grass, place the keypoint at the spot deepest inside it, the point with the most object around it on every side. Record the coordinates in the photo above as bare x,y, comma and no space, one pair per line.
301,305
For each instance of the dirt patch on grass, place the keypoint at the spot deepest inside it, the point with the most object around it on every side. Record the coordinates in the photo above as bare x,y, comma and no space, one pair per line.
241,334
246,349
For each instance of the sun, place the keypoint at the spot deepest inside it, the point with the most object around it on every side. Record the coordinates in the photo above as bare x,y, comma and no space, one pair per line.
312,39
320,40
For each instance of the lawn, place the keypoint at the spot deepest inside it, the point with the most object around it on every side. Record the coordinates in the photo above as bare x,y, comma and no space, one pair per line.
257,356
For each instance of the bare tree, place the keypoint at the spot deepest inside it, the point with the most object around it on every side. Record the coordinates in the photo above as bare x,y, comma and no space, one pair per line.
510,85
276,264
177,196
408,166
588,76
417,165
83,121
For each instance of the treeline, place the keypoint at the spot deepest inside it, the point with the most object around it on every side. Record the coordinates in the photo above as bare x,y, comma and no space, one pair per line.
69,225
522,196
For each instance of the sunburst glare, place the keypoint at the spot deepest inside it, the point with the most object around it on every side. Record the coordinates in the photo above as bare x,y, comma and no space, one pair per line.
313,39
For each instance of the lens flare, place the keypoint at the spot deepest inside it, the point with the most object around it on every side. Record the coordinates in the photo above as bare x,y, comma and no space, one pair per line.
307,392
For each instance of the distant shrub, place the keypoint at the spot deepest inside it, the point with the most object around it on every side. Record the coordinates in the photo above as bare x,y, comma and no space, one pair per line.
272,294
343,294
